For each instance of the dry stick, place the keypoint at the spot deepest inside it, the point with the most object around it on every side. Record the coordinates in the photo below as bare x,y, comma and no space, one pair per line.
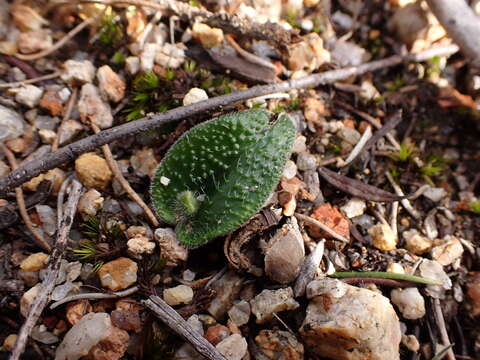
73,150
59,43
230,23
95,296
325,228
437,309
66,115
462,25
254,59
405,202
31,81
37,237
112,164
175,322
52,272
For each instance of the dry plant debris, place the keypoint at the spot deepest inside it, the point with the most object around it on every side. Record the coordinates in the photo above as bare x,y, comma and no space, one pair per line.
376,215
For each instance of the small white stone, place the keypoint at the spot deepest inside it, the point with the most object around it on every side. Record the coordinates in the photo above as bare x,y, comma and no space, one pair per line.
435,193
299,144
170,248
64,94
29,95
307,25
233,347
268,302
132,65
207,36
110,83
92,107
164,180
448,252
306,161
395,268
410,302
290,170
78,72
177,295
170,55
140,245
47,136
11,123
383,237
194,95
240,313
28,298
147,56
90,202
416,243
354,207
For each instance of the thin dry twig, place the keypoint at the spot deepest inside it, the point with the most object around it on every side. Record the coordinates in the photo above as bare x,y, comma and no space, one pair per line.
95,296
437,309
59,43
71,151
175,322
248,56
66,116
325,228
37,237
112,164
231,23
52,272
405,202
31,81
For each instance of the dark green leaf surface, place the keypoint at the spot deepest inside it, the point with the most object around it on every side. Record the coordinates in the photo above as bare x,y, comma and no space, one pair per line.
230,164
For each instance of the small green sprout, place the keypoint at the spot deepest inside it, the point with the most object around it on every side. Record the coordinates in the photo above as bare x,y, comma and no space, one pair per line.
111,30
406,152
475,206
433,166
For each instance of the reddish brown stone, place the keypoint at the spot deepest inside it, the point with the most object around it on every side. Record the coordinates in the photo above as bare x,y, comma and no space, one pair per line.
216,333
332,218
52,102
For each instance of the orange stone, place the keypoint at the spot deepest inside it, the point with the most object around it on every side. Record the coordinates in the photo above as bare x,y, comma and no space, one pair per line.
332,218
52,102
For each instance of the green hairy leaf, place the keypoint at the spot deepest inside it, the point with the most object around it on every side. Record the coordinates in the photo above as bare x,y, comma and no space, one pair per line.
220,173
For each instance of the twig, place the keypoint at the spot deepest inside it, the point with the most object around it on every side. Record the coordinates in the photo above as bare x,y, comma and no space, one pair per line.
52,272
437,309
112,164
71,151
59,43
461,24
231,23
95,296
325,228
384,275
405,202
37,237
248,56
175,322
66,115
30,81
359,146
393,218
61,200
